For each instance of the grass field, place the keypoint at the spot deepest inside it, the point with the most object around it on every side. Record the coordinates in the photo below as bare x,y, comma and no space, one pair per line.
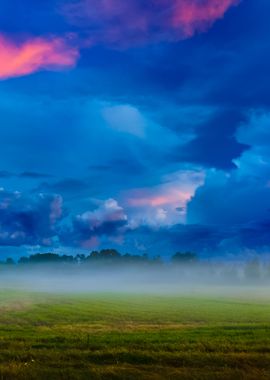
132,336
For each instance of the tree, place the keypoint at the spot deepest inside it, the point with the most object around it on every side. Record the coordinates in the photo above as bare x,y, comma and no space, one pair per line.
185,258
10,261
105,254
41,258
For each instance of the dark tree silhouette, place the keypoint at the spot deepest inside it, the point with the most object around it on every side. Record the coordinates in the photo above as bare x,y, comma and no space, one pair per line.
185,258
106,257
10,261
105,254
41,258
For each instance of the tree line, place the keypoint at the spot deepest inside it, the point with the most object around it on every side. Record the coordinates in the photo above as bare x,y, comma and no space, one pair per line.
102,256
186,264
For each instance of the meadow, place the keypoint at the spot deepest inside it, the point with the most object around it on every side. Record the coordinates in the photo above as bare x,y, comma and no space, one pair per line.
110,336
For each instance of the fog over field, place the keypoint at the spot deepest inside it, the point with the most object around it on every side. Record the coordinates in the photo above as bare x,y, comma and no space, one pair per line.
165,279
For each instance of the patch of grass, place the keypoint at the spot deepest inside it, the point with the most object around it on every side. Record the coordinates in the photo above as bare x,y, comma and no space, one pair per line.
120,336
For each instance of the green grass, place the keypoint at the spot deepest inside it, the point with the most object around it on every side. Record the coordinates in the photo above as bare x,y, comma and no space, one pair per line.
131,336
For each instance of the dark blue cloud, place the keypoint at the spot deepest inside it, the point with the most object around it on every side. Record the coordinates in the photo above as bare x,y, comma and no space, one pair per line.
215,144
34,175
106,223
29,220
230,201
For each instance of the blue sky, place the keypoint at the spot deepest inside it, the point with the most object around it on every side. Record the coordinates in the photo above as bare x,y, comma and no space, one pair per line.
143,127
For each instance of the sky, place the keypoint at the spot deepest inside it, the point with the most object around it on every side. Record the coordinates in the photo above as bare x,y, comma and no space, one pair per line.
137,125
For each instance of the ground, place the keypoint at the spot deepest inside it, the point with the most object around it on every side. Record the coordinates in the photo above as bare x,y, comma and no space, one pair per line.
134,336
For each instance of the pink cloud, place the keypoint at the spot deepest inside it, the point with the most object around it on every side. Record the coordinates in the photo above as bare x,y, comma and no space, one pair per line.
121,22
108,222
34,54
173,197
56,209
93,242
157,206
195,16
163,204
176,191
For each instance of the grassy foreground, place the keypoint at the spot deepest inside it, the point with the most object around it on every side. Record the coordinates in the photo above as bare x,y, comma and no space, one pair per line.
118,336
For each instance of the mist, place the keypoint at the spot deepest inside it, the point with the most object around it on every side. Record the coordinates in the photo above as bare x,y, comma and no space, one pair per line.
148,278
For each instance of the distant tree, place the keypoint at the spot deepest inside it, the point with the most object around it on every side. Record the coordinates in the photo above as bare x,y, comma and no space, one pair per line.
157,259
111,253
136,259
41,258
185,258
93,255
44,258
67,259
105,254
23,260
10,261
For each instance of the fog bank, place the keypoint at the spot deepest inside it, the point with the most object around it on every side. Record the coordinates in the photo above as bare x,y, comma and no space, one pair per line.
159,279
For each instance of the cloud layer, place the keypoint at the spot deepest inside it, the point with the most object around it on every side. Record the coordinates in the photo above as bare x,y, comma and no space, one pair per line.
108,22
123,23
34,54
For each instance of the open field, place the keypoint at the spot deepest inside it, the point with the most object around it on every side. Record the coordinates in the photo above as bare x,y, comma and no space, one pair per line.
133,336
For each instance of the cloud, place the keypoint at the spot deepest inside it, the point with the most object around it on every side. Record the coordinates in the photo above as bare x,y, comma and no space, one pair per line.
125,118
237,204
123,23
5,174
159,205
29,220
242,196
34,54
167,240
215,144
229,242
196,15
66,186
107,221
229,200
34,175
29,175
